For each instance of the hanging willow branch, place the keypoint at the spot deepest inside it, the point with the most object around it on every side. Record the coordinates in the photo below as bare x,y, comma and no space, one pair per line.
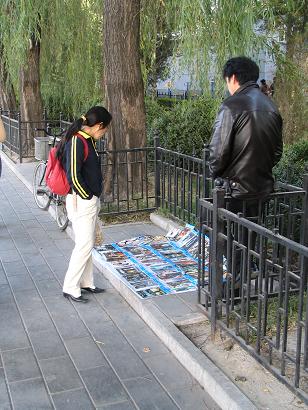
211,31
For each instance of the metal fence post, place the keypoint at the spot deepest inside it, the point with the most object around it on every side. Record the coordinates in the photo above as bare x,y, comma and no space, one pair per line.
205,158
157,165
304,239
216,257
19,137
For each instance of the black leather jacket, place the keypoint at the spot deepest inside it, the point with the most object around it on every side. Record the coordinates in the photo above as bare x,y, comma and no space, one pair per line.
246,143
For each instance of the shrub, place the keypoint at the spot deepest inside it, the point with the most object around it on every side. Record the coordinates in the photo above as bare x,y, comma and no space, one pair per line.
291,167
185,126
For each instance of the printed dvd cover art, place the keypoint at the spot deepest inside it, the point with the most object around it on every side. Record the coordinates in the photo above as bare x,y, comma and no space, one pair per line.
156,265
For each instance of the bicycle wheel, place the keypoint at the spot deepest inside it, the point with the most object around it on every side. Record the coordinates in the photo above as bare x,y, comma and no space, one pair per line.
41,192
61,213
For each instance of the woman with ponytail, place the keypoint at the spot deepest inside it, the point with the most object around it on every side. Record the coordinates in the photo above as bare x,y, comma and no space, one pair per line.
81,163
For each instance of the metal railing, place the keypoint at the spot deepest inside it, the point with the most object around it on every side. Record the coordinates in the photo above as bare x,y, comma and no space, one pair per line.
128,181
180,181
253,280
19,143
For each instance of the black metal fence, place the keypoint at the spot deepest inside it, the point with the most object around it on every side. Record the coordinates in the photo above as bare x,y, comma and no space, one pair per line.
19,143
253,279
180,181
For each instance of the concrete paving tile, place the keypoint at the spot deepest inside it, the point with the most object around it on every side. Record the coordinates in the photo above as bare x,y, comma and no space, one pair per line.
65,245
33,223
26,247
184,397
57,263
127,320
147,344
37,320
103,385
72,400
91,313
169,371
109,335
47,344
12,335
28,299
5,294
69,326
171,306
85,353
111,299
58,235
30,395
26,216
41,272
125,361
149,395
190,298
50,250
4,396
60,374
33,258
20,365
3,280
7,244
124,405
21,283
10,255
49,287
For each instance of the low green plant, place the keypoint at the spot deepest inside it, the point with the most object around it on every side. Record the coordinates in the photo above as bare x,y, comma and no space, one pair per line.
185,127
292,166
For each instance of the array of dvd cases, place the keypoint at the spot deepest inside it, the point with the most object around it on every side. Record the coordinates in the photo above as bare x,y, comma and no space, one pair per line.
156,265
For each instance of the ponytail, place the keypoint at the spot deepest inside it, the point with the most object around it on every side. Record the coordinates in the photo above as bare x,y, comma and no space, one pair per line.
94,116
72,130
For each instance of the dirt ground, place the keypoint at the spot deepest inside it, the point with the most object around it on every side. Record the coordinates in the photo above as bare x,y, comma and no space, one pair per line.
262,388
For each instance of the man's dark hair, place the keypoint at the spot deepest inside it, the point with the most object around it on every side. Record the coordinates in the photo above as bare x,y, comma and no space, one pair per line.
243,68
263,81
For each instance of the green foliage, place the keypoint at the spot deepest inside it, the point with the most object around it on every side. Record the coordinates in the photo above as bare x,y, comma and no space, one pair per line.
210,32
291,167
156,41
185,126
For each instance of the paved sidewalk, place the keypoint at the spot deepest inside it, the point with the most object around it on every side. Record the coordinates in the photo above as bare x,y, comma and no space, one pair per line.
57,354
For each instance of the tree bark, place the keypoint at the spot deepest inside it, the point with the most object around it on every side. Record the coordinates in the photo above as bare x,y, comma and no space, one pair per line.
124,90
7,93
31,105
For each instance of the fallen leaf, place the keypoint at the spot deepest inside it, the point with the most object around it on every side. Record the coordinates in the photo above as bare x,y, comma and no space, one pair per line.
146,349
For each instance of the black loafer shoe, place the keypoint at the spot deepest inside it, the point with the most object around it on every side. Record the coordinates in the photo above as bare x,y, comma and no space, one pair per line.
95,290
79,299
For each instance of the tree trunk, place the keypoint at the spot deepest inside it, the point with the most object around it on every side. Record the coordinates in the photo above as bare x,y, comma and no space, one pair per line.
7,93
124,91
31,106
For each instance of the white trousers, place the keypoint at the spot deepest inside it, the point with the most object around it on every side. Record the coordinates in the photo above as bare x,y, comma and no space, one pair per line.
82,213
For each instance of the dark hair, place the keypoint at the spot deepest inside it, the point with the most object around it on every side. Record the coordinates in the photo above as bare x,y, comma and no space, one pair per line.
95,115
263,81
243,68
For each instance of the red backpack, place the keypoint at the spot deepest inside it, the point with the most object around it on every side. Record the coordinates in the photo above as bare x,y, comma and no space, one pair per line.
55,174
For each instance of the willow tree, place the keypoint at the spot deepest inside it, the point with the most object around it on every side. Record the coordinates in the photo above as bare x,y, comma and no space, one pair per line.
7,92
71,56
291,24
211,31
21,42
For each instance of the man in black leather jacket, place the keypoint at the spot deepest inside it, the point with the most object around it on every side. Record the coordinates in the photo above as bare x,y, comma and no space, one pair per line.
246,145
247,136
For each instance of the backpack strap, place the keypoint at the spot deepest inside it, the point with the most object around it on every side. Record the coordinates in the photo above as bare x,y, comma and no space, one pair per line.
85,145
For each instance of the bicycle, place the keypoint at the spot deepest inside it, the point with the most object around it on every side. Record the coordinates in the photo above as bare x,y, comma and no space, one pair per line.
42,195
